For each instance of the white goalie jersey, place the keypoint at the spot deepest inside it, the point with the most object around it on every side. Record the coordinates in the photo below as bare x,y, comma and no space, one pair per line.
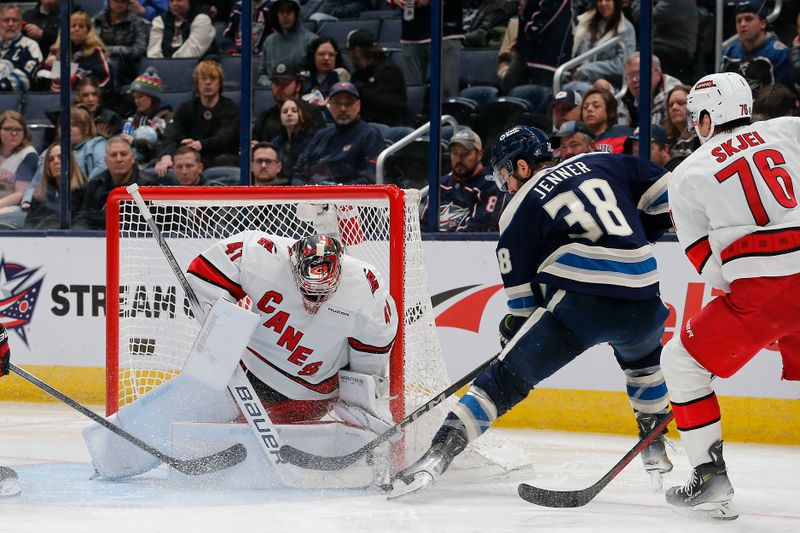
295,352
734,203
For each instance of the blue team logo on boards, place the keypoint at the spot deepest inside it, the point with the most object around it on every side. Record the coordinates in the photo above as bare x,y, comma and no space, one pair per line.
19,292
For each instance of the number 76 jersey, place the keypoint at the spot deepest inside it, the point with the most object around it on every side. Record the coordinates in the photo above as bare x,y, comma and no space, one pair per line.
734,203
584,225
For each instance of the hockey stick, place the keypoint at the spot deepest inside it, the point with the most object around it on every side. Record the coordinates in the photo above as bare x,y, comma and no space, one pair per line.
319,462
579,498
240,388
201,465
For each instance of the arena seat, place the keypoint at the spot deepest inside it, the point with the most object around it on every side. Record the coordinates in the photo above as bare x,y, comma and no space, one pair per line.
415,96
37,106
481,94
389,34
232,70
478,66
175,99
538,96
90,7
338,30
262,100
464,110
9,101
175,74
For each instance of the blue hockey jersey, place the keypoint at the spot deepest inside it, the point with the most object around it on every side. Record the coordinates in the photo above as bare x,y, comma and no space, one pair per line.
585,225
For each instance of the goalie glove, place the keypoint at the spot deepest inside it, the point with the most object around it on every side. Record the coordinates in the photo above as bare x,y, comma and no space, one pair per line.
5,352
364,401
509,327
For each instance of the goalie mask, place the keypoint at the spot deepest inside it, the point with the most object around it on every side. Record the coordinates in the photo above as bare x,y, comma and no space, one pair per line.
316,263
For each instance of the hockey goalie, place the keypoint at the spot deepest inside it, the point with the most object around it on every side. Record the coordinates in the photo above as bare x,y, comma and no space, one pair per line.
320,347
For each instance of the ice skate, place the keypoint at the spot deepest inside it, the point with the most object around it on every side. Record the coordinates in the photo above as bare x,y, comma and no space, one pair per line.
654,455
708,492
447,443
9,486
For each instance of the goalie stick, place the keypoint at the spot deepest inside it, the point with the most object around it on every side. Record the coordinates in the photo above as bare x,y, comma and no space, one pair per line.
319,462
240,388
193,467
579,498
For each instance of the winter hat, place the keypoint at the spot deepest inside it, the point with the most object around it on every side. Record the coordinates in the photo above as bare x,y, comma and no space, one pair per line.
148,83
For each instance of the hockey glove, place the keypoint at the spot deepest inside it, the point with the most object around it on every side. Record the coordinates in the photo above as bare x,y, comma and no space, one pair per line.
363,401
5,352
509,327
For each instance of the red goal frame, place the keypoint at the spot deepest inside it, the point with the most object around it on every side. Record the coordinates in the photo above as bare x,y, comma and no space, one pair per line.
393,195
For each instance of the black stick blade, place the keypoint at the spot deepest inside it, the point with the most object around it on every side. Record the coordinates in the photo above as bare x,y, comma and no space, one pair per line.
556,498
211,463
292,455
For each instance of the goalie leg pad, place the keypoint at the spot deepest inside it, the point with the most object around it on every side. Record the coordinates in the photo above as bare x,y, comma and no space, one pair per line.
256,472
149,418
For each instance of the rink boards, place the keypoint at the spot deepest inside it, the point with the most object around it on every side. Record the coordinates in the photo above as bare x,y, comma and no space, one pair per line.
53,289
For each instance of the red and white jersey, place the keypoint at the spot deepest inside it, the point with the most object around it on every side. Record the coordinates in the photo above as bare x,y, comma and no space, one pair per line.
297,353
734,203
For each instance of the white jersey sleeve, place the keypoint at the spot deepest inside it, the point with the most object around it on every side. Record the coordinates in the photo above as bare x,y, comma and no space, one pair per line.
373,336
734,203
216,273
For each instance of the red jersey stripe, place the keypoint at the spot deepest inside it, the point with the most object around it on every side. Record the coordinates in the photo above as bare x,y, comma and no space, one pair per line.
203,269
699,252
361,347
761,243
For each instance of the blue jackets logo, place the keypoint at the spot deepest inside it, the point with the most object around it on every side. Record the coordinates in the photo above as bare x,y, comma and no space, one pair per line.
19,292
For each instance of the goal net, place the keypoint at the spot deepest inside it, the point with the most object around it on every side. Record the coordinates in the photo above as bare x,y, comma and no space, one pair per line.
150,326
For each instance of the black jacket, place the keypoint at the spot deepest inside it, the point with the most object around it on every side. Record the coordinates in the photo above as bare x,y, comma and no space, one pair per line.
92,213
382,87
216,128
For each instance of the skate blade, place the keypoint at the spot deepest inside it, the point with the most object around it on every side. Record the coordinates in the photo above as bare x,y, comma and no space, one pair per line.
400,488
9,488
656,480
709,511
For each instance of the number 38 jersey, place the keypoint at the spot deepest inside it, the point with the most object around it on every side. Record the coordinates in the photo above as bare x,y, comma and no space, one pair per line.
296,353
584,225
734,203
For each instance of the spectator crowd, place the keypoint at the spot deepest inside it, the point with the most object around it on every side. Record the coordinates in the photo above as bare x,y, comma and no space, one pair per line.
156,91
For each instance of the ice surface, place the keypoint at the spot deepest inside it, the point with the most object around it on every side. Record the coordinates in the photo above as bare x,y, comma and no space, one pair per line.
43,443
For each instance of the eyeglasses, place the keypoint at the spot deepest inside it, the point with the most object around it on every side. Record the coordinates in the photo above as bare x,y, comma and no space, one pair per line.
264,162
343,103
13,131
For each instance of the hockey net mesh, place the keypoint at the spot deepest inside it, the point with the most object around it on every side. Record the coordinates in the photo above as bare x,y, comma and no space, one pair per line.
156,328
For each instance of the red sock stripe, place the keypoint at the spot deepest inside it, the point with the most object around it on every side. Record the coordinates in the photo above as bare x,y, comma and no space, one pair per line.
762,243
698,253
697,413
204,270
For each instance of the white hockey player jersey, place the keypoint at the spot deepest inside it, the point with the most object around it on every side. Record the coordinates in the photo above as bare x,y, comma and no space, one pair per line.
296,353
734,203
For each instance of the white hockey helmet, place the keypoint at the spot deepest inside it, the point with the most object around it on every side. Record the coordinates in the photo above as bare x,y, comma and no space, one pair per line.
725,96
317,268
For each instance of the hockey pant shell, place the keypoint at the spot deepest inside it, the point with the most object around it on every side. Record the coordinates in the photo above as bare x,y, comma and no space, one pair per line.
150,419
731,329
572,323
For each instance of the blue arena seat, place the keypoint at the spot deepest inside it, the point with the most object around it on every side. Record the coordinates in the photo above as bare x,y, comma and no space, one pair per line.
478,66
389,34
464,110
538,96
175,99
415,96
225,176
338,30
37,106
262,100
90,7
175,74
232,70
481,94
9,101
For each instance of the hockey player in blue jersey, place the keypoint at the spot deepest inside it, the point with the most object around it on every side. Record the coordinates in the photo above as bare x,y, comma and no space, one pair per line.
575,255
